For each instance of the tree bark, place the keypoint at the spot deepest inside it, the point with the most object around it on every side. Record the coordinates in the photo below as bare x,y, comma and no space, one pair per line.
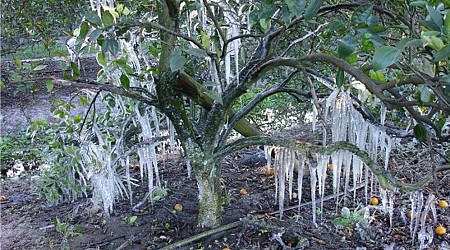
209,197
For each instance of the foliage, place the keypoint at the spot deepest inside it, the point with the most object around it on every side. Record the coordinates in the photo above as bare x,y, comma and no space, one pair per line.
25,147
350,219
27,23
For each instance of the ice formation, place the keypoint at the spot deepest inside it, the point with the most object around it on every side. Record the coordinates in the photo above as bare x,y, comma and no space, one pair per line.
348,125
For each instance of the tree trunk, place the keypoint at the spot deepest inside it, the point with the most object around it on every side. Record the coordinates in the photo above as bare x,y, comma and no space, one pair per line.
209,193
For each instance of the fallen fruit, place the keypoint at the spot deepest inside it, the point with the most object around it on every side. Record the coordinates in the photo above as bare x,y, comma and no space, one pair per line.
243,191
330,166
178,207
373,201
440,230
443,204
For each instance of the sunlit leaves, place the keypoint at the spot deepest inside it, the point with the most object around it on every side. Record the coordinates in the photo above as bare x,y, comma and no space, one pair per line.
385,56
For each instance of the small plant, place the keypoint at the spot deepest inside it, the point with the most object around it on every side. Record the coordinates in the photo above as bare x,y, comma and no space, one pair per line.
349,219
131,220
158,194
67,230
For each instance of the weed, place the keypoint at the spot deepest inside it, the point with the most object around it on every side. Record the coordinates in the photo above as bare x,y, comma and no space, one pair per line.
349,219
131,220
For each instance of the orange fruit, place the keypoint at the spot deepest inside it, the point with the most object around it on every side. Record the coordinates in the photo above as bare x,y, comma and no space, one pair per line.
440,230
374,201
443,204
243,191
178,207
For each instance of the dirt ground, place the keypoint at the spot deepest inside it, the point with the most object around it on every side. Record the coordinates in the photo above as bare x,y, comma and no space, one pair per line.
251,219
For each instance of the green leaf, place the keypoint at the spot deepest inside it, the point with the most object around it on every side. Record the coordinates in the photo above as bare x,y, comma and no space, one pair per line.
125,81
110,45
377,75
49,84
267,11
84,29
95,34
101,59
205,40
265,25
196,52
107,19
442,54
312,9
296,7
385,56
346,46
77,119
340,78
435,16
75,69
93,18
420,132
362,14
425,95
176,61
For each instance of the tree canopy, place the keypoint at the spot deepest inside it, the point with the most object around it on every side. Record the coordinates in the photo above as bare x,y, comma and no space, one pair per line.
205,66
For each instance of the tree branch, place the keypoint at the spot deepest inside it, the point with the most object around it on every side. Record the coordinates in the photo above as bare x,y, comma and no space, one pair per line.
385,178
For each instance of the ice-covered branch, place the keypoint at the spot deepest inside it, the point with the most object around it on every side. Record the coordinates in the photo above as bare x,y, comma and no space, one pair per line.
386,180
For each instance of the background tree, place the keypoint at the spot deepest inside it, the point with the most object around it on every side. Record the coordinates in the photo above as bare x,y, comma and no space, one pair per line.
197,62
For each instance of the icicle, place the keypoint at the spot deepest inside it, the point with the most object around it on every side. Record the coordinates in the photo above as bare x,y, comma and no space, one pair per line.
128,178
281,178
313,176
300,169
416,214
314,116
383,111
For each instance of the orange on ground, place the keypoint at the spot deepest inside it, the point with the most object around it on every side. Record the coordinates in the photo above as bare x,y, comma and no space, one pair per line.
443,204
178,207
374,201
243,191
440,230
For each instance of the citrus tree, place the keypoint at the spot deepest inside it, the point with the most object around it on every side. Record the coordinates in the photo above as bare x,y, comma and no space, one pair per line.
363,69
